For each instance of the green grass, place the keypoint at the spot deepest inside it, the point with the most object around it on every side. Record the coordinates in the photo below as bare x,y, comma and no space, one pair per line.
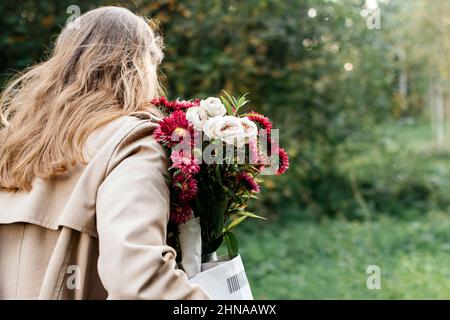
328,260
291,257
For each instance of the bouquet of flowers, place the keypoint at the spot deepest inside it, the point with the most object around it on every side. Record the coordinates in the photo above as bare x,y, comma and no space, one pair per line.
216,154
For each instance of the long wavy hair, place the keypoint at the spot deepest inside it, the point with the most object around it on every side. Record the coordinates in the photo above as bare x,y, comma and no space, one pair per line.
103,66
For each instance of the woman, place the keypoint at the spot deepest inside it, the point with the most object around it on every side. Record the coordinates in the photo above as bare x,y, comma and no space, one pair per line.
83,200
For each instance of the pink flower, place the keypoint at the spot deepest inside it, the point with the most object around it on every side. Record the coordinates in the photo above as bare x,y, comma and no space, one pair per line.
185,187
248,181
173,129
264,160
284,161
181,214
186,163
253,151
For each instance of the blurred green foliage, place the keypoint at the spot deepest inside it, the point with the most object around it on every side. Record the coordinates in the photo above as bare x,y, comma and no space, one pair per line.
292,64
294,259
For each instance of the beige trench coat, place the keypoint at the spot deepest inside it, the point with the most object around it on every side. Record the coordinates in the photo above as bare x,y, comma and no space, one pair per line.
99,231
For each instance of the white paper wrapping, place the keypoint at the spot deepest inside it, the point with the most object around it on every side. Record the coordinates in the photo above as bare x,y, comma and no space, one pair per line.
191,246
224,280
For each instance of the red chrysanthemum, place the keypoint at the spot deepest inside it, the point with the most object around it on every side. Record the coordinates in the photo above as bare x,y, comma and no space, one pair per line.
185,104
261,119
176,104
248,181
181,214
265,123
184,162
159,101
174,129
185,187
283,160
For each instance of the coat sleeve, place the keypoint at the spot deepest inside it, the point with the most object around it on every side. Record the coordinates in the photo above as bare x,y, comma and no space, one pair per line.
132,215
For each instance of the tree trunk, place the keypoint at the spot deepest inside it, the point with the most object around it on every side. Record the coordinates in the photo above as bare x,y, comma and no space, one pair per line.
403,80
440,117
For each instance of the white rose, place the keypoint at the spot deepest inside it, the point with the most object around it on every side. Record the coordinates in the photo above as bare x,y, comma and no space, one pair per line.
213,107
250,129
197,116
228,129
209,126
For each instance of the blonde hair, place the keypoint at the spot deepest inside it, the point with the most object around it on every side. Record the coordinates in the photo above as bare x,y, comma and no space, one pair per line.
103,67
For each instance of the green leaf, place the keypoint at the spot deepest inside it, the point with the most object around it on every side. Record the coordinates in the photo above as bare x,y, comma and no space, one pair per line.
232,102
227,106
242,104
167,177
227,95
235,222
218,174
241,101
251,215
249,196
248,114
232,244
